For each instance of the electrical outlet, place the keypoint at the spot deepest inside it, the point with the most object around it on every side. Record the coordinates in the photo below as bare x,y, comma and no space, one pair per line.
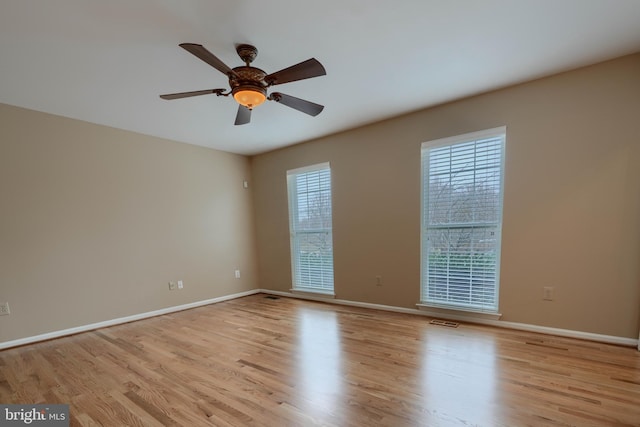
4,309
547,293
237,273
180,284
172,286
378,280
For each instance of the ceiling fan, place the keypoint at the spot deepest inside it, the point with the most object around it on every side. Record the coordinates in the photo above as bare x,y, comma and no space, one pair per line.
249,85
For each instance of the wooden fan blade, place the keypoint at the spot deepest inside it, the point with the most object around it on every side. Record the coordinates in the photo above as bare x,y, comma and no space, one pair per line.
244,115
304,70
208,57
308,107
193,93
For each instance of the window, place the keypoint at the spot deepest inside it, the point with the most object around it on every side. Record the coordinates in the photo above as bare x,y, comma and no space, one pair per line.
310,228
462,191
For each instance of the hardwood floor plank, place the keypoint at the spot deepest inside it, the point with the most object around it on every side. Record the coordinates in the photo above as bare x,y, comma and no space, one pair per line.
263,362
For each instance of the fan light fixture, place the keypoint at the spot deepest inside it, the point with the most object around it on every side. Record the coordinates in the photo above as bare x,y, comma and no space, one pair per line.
249,96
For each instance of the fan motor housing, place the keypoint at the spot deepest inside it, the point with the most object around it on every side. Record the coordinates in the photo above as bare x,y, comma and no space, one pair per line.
248,76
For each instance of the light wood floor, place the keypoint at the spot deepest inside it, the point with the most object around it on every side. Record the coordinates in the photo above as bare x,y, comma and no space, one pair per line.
287,362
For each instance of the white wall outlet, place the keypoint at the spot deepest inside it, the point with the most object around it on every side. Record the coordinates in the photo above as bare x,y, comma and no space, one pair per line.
180,284
172,286
245,184
547,293
237,273
378,280
4,309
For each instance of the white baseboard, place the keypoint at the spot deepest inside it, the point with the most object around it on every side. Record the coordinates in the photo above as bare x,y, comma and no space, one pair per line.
120,320
608,339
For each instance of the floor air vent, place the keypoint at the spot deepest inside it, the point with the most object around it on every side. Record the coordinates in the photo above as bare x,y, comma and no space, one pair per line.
447,323
271,297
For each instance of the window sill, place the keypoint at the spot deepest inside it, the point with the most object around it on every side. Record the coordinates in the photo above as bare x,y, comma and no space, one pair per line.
313,292
456,313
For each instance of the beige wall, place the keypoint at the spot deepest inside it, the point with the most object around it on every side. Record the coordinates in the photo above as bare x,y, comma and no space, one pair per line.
571,207
94,223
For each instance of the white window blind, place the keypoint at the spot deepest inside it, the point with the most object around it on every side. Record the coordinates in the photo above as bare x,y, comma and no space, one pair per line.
462,192
310,226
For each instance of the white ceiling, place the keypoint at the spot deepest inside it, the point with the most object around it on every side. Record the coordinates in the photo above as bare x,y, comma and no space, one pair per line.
107,61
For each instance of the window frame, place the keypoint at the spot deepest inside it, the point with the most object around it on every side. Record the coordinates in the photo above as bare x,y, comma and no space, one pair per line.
426,147
294,232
